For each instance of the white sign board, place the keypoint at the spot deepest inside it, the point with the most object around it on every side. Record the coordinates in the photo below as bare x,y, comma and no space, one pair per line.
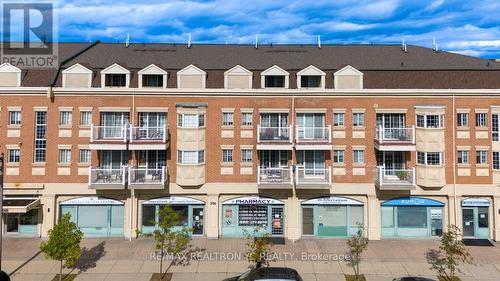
332,201
94,200
253,200
437,214
476,202
173,200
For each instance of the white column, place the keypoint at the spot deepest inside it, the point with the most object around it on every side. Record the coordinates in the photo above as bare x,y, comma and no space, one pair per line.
212,216
374,225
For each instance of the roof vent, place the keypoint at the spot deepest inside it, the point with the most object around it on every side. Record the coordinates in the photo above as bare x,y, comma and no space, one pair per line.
435,45
319,41
256,42
403,46
127,40
189,40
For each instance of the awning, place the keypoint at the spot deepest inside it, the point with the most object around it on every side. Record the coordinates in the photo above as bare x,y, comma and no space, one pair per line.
413,201
20,204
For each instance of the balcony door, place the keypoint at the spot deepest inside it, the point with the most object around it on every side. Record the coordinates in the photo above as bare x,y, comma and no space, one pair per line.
152,124
273,158
274,120
391,120
113,123
311,125
313,162
151,160
112,159
391,160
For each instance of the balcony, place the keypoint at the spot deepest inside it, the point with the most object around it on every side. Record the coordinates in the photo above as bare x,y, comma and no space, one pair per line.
148,138
107,178
275,178
395,139
395,179
313,138
313,178
274,138
108,137
143,178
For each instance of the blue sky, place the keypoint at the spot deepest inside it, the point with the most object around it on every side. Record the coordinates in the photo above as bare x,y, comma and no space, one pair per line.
461,26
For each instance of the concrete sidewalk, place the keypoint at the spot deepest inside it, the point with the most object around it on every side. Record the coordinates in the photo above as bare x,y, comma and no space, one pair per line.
315,259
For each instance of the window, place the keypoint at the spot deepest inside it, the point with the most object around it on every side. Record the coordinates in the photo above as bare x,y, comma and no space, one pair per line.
496,160
191,120
310,81
246,119
430,121
358,119
191,157
227,155
421,121
64,155
40,136
227,119
481,157
338,119
246,155
358,156
462,119
14,155
275,81
480,119
85,118
430,158
84,156
152,80
463,157
494,127
338,156
116,80
421,158
14,117
65,118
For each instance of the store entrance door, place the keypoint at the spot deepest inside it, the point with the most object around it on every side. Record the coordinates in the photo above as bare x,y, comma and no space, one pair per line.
468,222
277,221
198,220
12,223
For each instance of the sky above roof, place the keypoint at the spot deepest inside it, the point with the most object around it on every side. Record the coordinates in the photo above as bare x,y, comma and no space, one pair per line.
460,26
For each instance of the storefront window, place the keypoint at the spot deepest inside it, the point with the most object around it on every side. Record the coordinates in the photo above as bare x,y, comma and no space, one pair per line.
252,215
482,217
412,217
149,215
356,216
183,213
388,216
93,216
30,218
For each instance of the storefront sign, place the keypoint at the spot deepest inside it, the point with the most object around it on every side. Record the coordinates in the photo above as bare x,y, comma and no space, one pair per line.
476,202
332,201
253,216
436,214
252,200
173,200
92,201
413,201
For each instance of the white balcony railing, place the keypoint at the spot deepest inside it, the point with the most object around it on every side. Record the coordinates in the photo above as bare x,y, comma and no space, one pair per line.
313,176
147,176
107,176
313,134
395,177
395,135
108,133
148,134
272,134
277,176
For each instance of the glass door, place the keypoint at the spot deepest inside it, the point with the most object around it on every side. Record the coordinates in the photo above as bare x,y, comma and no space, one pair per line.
152,124
313,161
277,220
113,123
468,222
12,223
390,121
198,220
112,159
307,221
311,125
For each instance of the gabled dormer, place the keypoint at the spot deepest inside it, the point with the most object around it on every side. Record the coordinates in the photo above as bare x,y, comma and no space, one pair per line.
348,78
10,76
77,76
274,77
115,76
191,77
311,77
152,76
238,77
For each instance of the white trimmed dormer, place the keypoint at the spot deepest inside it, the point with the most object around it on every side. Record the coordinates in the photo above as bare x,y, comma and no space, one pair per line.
191,77
115,75
10,76
238,77
152,76
275,77
348,78
77,76
311,77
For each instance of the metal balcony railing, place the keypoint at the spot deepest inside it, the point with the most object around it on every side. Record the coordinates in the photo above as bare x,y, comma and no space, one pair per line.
395,177
138,134
313,134
395,135
107,176
277,176
108,133
147,176
271,134
313,176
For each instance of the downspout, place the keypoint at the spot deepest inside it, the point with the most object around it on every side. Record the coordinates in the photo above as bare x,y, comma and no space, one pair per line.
455,210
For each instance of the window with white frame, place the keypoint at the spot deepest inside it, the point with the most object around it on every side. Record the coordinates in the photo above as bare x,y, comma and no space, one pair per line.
463,157
85,155
430,121
65,118
430,158
496,160
462,119
14,155
64,155
40,136
338,119
227,155
481,157
189,120
227,119
421,158
358,156
246,155
15,117
338,156
191,157
246,119
481,119
494,127
85,118
358,119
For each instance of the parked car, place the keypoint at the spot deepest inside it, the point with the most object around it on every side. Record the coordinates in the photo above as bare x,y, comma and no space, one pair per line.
412,278
268,274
